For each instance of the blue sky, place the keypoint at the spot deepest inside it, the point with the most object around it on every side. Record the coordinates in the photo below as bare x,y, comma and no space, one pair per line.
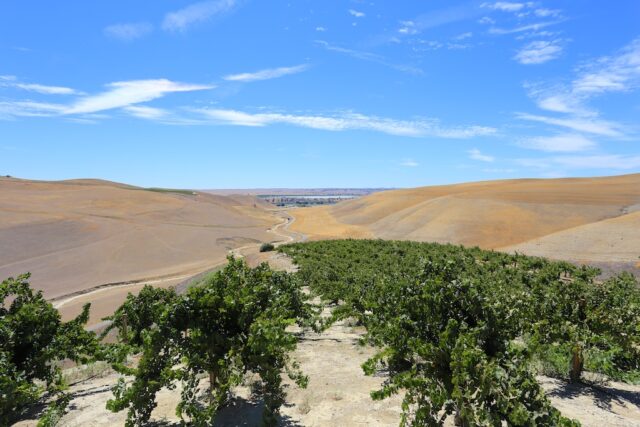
302,93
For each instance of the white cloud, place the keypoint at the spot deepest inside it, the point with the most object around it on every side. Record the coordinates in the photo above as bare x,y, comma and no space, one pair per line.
119,95
616,73
566,143
485,20
505,6
128,32
612,161
356,13
196,13
266,74
342,122
430,44
123,94
146,112
538,52
408,27
581,124
463,36
544,13
604,161
321,29
12,81
409,163
611,74
475,154
11,109
529,27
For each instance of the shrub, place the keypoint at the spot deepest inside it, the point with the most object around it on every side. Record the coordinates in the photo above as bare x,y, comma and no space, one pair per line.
266,247
32,340
235,322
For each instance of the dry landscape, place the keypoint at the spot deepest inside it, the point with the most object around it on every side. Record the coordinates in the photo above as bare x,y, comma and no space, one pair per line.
75,236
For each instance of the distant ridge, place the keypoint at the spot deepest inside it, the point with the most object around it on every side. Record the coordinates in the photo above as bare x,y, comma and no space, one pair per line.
298,191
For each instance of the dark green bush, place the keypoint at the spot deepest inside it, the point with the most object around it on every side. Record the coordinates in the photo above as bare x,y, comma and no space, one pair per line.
267,247
33,340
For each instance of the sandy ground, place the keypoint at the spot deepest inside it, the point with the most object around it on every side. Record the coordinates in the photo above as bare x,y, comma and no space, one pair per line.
580,219
615,240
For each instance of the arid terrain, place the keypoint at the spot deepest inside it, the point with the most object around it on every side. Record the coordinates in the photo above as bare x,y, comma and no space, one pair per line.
587,220
76,236
81,234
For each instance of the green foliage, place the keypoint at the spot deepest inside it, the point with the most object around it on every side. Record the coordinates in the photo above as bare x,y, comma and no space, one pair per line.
171,190
460,328
266,247
32,340
139,313
233,323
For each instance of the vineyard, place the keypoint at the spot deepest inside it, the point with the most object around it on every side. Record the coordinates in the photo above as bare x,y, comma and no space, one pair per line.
461,334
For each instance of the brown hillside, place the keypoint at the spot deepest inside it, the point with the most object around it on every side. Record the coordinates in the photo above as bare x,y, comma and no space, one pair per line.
75,235
492,214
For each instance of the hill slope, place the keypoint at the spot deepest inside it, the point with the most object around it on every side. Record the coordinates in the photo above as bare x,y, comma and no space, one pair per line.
75,235
493,214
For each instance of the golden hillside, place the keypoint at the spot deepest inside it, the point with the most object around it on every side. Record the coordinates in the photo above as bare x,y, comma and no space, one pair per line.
493,214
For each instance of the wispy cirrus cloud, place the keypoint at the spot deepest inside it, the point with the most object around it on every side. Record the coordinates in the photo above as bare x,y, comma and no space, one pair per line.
563,143
537,26
590,125
505,6
435,18
196,13
409,163
463,36
356,13
539,52
545,13
13,82
267,74
46,90
604,161
368,56
27,108
123,94
146,112
476,154
616,73
128,31
343,122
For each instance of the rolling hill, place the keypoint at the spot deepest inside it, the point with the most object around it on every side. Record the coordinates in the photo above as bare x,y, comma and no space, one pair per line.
78,234
579,219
